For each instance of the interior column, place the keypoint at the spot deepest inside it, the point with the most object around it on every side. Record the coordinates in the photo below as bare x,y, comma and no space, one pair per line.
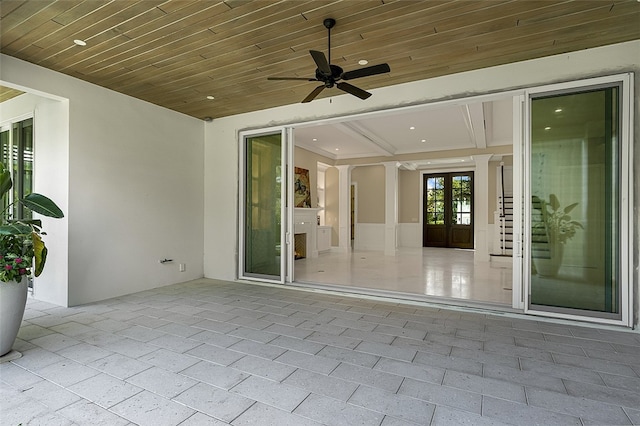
344,208
481,207
391,208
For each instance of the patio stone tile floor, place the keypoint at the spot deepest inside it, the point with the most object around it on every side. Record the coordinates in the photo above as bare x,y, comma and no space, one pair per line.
210,352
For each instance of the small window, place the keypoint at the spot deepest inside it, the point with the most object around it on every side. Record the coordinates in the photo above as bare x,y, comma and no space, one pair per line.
16,140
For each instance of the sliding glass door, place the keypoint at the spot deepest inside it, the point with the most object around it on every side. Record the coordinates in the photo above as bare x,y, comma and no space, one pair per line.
263,245
576,213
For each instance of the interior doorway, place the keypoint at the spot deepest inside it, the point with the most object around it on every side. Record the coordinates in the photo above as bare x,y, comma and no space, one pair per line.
357,221
448,210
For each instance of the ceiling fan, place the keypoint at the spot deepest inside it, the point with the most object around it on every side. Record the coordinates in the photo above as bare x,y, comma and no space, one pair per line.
331,75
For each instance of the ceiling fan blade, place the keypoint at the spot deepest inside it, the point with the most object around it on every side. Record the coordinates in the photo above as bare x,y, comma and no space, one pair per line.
291,78
311,96
355,91
367,71
321,62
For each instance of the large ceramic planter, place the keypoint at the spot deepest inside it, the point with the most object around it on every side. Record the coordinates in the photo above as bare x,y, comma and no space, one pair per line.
550,267
13,299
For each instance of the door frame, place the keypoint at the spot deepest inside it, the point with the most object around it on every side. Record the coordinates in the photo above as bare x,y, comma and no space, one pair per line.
286,214
471,167
449,201
520,266
626,196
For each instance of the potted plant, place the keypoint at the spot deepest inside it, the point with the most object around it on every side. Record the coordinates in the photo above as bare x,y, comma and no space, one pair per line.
22,253
550,231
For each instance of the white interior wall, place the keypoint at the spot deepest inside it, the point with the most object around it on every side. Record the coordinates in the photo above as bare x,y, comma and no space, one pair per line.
134,173
221,146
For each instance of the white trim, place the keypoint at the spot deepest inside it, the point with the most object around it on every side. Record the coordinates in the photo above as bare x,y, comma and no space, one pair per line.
31,90
9,121
353,207
288,213
519,188
627,202
431,104
626,196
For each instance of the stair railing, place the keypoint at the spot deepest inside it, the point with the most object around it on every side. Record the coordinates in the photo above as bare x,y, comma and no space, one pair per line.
503,233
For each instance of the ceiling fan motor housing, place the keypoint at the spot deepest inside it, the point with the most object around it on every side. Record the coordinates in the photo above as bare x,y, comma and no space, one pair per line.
330,80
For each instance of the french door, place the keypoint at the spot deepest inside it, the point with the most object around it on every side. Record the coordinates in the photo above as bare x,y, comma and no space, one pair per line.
448,210
576,202
264,246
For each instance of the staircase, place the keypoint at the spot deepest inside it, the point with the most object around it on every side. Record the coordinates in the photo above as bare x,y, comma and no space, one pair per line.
539,236
505,222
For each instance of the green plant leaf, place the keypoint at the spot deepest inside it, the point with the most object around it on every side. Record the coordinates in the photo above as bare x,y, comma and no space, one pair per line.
35,222
570,207
15,228
40,254
553,201
43,205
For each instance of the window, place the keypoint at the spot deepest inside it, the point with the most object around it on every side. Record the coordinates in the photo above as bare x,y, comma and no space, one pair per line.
16,140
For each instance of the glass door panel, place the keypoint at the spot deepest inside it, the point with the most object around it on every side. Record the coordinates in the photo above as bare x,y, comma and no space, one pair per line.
461,234
264,248
435,229
575,203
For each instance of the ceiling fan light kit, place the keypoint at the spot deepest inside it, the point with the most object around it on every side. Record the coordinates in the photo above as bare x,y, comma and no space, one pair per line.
332,75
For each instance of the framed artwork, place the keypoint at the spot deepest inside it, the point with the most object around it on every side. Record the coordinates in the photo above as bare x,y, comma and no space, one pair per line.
302,188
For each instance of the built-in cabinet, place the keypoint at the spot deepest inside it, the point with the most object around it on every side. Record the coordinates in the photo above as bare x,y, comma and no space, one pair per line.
324,238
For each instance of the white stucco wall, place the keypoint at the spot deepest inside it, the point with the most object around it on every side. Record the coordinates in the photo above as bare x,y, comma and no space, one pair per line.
221,145
130,174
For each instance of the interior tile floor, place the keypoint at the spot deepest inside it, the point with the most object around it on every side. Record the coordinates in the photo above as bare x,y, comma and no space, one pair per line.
217,353
435,272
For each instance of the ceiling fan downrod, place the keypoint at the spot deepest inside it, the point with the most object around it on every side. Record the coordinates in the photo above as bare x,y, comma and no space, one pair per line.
329,23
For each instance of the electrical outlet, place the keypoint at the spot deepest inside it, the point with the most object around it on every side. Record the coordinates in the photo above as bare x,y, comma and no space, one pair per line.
183,267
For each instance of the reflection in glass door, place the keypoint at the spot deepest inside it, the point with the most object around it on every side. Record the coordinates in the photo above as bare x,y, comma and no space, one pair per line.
574,215
263,247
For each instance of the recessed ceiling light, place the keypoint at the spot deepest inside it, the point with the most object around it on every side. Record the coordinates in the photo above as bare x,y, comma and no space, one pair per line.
412,128
337,149
314,139
363,62
80,42
558,109
547,128
423,140
211,97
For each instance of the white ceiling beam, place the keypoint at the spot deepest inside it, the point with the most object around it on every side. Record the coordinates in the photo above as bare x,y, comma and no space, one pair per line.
365,135
474,119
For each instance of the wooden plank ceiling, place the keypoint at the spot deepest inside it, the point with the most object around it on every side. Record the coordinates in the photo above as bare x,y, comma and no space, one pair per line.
176,53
